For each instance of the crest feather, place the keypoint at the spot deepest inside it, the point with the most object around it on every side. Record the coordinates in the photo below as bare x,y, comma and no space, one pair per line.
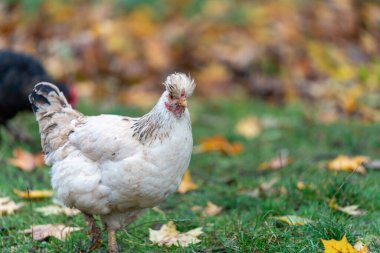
178,83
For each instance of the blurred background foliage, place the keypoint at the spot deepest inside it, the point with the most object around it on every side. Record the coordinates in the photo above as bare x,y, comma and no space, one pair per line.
326,53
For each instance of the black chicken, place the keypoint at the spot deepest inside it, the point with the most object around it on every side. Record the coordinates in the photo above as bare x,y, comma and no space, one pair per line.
19,73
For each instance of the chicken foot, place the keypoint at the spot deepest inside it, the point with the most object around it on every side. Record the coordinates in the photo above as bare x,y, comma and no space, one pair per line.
112,244
95,232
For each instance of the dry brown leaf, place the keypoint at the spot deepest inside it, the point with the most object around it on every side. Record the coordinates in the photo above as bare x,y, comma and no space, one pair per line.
168,236
249,127
352,210
219,143
211,209
350,164
41,232
265,188
187,183
26,161
277,162
8,206
56,209
343,246
34,194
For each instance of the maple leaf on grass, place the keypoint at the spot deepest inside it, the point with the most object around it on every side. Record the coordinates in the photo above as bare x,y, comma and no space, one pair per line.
41,232
168,235
220,144
34,194
350,164
26,161
343,246
8,206
187,183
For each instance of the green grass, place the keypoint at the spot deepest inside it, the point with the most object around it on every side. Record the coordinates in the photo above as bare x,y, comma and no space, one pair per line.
246,224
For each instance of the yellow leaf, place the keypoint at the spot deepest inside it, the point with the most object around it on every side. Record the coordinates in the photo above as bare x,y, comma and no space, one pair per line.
168,235
219,143
59,231
342,246
350,164
187,184
7,206
26,161
248,127
293,220
301,185
212,209
34,194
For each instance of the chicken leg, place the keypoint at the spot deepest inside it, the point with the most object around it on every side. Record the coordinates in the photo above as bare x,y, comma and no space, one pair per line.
112,244
96,234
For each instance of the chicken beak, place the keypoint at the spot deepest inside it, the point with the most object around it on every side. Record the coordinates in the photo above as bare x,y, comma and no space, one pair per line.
182,102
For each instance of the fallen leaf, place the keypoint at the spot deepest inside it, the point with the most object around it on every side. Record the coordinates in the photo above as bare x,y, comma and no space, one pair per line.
265,188
56,209
211,209
187,184
360,247
277,162
8,206
249,127
342,246
372,165
220,144
301,185
196,208
26,161
350,164
352,210
59,231
34,194
293,220
168,235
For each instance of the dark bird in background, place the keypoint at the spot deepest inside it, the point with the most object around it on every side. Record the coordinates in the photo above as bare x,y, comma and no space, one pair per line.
19,73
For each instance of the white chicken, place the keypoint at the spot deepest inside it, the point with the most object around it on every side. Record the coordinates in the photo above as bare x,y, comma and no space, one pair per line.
115,166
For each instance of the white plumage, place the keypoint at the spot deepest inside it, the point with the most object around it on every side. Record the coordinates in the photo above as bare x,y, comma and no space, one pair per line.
115,166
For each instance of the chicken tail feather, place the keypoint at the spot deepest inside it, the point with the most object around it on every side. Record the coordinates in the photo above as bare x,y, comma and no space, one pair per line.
54,115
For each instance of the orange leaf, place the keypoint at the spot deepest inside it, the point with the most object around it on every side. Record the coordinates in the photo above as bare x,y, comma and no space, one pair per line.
187,184
219,143
34,194
25,160
211,209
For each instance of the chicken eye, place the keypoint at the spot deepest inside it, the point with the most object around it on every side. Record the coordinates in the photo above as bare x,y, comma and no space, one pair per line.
171,96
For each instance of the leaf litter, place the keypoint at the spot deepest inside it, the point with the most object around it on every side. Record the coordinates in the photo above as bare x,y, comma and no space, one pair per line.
168,235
